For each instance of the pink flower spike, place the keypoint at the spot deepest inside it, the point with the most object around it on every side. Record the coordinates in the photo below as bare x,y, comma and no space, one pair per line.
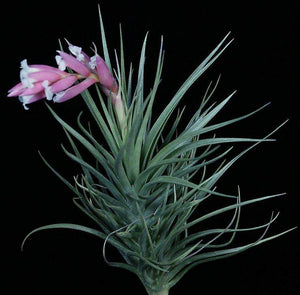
105,77
71,62
74,90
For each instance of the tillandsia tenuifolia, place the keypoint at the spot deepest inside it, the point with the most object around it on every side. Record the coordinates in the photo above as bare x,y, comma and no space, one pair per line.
146,178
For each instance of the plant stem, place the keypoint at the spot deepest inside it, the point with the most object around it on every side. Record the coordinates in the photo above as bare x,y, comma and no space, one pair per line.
120,111
161,292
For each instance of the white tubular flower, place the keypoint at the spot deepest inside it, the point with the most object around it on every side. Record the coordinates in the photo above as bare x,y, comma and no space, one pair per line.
58,96
77,52
48,92
93,62
25,70
60,62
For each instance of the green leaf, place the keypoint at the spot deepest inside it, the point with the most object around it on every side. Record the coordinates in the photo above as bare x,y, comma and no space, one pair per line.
205,233
182,269
64,180
104,43
228,208
161,121
64,226
100,177
111,136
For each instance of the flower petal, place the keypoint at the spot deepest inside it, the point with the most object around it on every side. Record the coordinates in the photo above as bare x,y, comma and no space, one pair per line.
37,87
74,90
105,76
63,84
74,64
16,90
51,76
40,68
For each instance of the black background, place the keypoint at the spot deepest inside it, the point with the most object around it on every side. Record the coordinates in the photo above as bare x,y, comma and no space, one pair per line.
262,64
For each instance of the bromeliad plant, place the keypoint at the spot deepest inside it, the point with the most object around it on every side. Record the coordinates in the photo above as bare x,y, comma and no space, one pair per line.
147,179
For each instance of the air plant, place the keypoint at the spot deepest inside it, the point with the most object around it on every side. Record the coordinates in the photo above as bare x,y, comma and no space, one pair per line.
144,180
